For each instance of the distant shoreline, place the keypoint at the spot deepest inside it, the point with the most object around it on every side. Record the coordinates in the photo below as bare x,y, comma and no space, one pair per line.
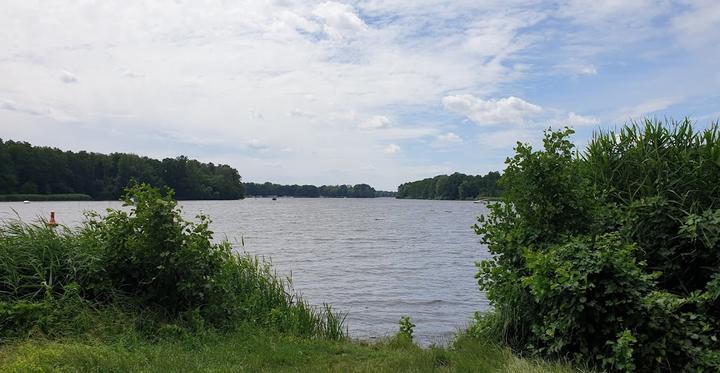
488,199
75,197
44,197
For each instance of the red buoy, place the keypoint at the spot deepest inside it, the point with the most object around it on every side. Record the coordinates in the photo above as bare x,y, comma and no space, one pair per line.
52,221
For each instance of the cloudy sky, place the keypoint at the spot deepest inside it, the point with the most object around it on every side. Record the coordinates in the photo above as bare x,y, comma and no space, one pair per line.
346,92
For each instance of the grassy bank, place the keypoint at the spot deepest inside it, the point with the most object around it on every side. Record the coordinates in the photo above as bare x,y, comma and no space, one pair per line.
250,348
44,197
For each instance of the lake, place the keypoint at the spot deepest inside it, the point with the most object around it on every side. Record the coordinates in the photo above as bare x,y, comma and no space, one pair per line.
376,259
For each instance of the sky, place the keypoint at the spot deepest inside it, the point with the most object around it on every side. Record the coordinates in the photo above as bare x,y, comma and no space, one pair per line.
378,92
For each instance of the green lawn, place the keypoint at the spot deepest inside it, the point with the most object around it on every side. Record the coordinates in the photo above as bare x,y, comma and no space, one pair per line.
252,349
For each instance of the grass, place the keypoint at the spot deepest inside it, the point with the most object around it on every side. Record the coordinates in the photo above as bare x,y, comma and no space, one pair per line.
254,349
44,197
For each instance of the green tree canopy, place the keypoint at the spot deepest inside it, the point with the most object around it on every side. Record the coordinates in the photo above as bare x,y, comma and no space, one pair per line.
33,169
455,186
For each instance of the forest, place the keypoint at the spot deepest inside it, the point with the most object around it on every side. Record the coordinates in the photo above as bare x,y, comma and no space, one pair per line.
457,186
311,191
27,169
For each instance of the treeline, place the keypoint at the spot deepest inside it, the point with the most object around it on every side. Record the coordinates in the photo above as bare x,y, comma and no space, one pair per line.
311,191
27,169
44,197
455,186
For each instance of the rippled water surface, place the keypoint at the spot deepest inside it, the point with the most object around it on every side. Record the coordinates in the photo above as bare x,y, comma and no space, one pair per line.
376,259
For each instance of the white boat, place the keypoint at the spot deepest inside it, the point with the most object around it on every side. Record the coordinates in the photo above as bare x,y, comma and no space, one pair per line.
26,202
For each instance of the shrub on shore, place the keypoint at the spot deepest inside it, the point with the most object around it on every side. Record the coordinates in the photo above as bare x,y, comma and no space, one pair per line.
610,255
147,263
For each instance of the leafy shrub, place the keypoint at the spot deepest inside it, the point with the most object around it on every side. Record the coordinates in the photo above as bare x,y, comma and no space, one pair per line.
586,292
407,327
155,256
610,255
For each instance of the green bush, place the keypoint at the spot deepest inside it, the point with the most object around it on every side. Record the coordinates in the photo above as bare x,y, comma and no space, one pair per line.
609,255
155,256
407,328
147,261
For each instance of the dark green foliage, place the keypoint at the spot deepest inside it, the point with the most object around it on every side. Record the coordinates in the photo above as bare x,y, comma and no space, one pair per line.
609,256
44,197
155,256
585,292
148,261
27,169
455,186
311,191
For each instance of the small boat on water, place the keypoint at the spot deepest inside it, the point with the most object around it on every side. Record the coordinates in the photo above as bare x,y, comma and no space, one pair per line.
26,202
274,198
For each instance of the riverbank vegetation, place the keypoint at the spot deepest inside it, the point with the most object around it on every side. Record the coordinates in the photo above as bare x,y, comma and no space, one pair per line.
311,191
142,289
27,169
148,264
44,197
452,187
249,348
609,256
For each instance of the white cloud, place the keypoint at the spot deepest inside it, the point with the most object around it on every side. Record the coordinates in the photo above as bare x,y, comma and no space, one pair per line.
339,20
256,145
391,149
577,68
510,110
402,133
508,139
576,120
376,122
646,107
447,139
39,110
296,113
132,74
256,114
697,27
68,77
588,70
590,11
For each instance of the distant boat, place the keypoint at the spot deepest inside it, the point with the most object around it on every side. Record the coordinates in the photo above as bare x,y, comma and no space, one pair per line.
26,202
274,198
